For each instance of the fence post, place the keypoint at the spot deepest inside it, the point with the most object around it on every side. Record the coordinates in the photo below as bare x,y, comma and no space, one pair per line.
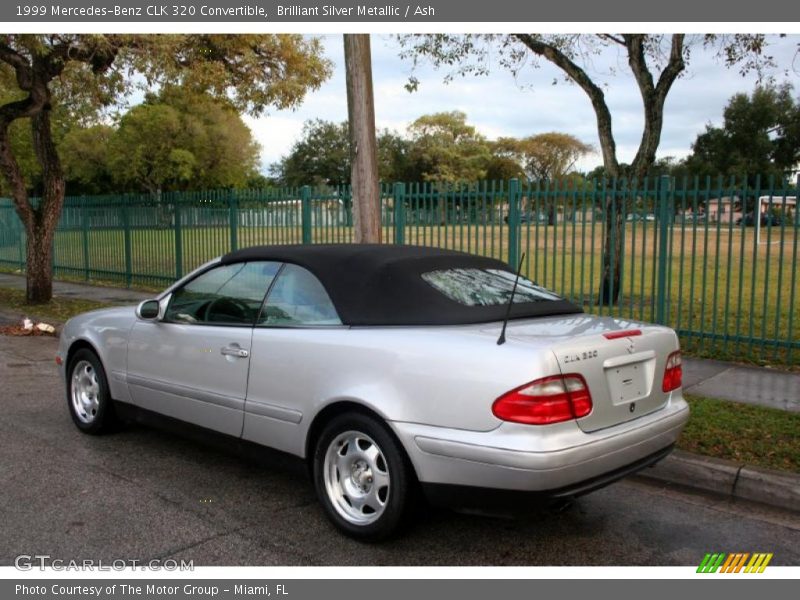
399,213
305,215
23,241
85,223
178,240
233,218
513,223
795,222
126,223
662,262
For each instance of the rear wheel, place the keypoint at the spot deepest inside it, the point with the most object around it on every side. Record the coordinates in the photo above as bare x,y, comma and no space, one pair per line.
89,401
362,477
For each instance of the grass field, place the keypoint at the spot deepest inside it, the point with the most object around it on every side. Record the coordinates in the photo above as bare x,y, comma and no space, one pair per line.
729,297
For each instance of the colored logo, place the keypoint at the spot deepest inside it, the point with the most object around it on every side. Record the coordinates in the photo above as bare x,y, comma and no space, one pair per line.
735,563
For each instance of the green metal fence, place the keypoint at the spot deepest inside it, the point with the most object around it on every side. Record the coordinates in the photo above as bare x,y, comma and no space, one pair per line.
693,254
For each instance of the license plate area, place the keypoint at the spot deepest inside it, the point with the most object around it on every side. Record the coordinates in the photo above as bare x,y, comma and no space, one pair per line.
630,381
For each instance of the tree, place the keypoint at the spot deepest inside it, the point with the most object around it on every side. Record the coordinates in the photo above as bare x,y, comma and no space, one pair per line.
364,185
64,118
394,157
656,61
52,70
546,156
21,143
210,144
182,138
503,166
446,150
760,135
146,151
322,156
85,154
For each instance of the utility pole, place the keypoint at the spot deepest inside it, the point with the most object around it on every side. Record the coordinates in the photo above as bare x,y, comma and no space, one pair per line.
363,147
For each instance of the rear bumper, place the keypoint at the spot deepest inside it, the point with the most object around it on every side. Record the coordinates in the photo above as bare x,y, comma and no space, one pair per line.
469,497
548,459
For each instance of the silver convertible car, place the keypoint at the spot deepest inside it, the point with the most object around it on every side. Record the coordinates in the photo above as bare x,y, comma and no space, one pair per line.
391,370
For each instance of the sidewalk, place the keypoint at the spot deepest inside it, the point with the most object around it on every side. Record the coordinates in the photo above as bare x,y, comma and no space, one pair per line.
82,291
741,383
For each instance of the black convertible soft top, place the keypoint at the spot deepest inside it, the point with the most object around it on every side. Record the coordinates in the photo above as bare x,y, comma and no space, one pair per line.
381,284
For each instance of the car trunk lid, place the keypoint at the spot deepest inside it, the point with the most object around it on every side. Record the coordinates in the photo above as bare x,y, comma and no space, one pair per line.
622,362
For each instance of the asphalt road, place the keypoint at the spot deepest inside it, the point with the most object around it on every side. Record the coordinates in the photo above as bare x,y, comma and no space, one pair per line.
144,493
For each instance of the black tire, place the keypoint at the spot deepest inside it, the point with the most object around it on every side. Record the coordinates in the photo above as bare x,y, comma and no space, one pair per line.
97,415
399,493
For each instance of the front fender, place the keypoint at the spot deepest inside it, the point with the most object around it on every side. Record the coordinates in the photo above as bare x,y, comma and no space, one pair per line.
106,331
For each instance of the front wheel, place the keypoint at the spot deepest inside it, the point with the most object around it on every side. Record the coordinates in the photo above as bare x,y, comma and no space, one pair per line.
362,477
89,400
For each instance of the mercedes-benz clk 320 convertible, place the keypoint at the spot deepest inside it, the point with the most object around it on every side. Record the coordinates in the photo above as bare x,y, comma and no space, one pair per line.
389,369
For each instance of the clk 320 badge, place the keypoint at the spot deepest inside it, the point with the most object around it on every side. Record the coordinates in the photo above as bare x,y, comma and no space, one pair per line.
569,358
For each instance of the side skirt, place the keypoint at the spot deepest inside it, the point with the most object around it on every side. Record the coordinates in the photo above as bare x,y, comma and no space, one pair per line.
229,444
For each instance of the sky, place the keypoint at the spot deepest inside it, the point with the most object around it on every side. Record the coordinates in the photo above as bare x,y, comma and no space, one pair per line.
500,105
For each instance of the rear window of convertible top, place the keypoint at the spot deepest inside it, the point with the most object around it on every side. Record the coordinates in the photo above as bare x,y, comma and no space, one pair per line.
485,287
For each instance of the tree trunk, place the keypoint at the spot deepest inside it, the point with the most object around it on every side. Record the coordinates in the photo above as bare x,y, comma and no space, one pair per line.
653,96
42,231
40,221
612,253
363,145
610,277
39,265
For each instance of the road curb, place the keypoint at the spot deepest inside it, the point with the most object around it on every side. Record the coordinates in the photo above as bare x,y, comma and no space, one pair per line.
729,478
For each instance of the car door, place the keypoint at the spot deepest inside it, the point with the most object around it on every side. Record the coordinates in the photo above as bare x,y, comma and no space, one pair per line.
193,364
297,332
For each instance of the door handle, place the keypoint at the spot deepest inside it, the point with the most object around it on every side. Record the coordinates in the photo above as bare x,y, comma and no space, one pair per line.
235,351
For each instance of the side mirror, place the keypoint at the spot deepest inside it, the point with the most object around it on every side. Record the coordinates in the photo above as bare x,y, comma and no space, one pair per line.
148,310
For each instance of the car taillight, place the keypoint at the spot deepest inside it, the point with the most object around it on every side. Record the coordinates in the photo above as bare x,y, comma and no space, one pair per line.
673,373
544,401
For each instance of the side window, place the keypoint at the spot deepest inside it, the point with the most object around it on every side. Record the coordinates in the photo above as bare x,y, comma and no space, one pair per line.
225,295
298,298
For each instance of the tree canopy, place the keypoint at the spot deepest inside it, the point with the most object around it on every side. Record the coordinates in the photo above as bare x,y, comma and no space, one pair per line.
181,138
442,148
446,149
175,139
655,61
544,156
321,156
64,117
83,73
86,154
759,135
